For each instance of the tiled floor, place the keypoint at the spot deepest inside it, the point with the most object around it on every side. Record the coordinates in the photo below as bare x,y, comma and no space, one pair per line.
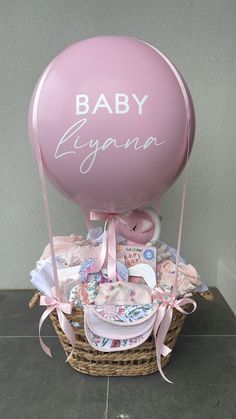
34,386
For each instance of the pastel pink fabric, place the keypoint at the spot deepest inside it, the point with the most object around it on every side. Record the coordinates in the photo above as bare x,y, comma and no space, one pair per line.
187,270
158,321
61,245
116,330
187,278
129,343
126,293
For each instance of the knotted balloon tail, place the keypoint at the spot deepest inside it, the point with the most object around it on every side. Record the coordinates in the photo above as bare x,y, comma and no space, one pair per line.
109,241
53,303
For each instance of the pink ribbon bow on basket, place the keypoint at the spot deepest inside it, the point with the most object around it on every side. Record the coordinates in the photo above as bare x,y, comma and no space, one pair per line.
167,303
53,303
109,241
167,300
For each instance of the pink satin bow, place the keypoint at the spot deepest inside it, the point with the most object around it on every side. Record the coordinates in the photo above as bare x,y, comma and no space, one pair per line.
168,300
109,241
53,303
163,319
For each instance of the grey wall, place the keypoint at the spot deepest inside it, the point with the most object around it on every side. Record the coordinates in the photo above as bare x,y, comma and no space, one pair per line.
199,37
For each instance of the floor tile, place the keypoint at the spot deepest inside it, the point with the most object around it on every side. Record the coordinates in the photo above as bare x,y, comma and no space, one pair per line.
203,371
17,319
211,318
34,386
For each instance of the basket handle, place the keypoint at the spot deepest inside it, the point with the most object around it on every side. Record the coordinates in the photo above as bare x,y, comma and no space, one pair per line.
207,295
34,300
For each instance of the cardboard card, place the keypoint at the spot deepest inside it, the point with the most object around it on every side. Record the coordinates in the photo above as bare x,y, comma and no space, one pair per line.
133,255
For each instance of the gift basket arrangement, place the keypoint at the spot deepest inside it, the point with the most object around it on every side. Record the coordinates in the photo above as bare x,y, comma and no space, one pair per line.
118,297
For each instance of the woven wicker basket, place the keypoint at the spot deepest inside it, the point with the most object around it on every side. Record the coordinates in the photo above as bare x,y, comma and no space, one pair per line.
138,361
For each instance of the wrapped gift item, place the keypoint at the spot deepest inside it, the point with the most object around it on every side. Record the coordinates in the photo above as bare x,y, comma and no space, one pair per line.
188,279
162,252
68,278
72,250
42,277
80,252
61,245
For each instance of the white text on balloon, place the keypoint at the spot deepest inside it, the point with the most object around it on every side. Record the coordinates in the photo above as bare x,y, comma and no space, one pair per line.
121,104
96,146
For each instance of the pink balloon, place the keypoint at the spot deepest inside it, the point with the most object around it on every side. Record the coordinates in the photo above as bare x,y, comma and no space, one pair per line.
112,116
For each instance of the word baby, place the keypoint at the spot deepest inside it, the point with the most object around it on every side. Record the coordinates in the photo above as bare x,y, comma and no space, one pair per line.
121,102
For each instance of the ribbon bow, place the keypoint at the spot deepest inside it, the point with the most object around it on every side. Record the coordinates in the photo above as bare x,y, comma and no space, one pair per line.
53,303
109,241
167,302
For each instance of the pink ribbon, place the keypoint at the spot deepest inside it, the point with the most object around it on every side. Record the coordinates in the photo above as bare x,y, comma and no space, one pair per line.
53,303
109,241
163,320
168,301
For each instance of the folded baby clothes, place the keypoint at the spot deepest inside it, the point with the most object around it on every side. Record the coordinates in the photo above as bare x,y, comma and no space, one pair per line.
119,328
80,252
43,280
70,272
61,245
42,276
170,251
83,293
124,313
85,276
123,293
188,279
68,278
66,287
103,330
162,252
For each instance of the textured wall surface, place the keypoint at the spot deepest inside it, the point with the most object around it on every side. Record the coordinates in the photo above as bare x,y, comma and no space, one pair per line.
199,37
